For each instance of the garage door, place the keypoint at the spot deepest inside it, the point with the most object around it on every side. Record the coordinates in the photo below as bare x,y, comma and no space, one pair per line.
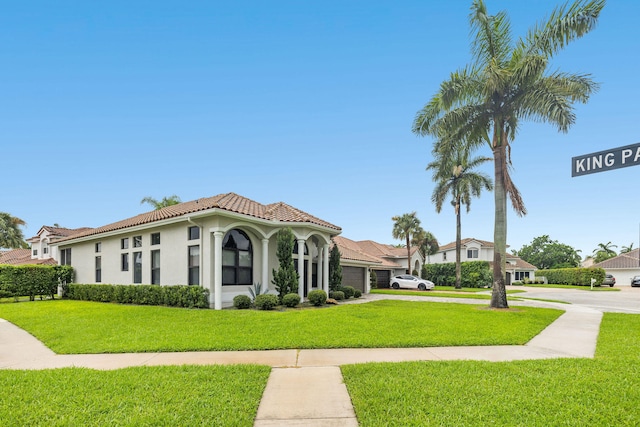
353,276
383,278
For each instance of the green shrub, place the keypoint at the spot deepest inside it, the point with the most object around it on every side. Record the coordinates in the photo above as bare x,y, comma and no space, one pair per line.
357,293
473,274
30,280
266,302
174,296
573,276
373,280
348,291
241,302
291,300
414,272
317,297
336,295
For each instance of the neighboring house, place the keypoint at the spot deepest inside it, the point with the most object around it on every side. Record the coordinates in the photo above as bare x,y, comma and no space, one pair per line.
22,257
225,243
41,249
390,260
472,249
356,264
623,267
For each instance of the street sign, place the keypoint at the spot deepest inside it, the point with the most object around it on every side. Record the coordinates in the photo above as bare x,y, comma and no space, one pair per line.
607,160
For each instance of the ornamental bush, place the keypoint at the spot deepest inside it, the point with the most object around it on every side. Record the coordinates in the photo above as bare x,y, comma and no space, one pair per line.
317,297
348,291
241,302
357,293
32,280
336,295
573,276
173,296
291,300
266,302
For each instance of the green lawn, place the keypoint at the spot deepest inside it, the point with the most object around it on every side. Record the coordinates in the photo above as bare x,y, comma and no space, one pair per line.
89,327
580,288
159,396
604,391
443,292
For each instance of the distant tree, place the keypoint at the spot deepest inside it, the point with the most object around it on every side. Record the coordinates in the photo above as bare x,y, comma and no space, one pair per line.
454,174
406,227
285,279
11,236
626,249
426,243
335,269
603,252
545,253
159,204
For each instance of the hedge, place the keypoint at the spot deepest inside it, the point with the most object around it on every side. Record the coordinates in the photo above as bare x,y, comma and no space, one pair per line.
31,280
473,274
573,276
173,296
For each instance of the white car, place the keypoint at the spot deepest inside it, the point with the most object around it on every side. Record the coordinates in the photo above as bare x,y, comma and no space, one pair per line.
412,282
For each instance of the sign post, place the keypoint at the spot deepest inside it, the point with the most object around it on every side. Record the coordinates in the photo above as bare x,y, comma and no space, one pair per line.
607,160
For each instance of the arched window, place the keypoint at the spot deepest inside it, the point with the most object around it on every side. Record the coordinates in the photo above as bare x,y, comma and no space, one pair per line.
295,248
237,258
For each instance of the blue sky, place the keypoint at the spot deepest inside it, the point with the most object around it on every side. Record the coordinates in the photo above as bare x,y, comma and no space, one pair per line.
310,103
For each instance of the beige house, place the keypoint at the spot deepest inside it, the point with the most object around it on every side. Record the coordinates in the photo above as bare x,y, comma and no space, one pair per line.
623,267
224,243
472,249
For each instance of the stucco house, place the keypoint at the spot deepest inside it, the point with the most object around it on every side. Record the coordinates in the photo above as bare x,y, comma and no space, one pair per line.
386,260
472,249
224,243
41,244
623,267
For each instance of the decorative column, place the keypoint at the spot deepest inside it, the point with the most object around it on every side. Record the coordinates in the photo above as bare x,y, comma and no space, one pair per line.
217,269
325,269
319,268
265,264
301,268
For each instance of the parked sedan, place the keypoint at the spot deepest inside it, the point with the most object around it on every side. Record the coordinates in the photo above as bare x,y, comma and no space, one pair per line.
609,280
635,281
412,282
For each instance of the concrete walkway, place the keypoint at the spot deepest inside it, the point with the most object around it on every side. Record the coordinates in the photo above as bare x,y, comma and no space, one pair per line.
288,399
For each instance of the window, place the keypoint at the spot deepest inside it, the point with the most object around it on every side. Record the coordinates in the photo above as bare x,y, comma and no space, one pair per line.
155,238
472,253
35,252
45,250
124,262
65,256
98,269
137,241
155,267
295,248
194,265
99,247
194,233
237,259
444,256
137,267
124,243
521,275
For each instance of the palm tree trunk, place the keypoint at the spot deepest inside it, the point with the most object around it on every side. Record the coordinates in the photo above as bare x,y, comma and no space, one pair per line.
499,293
408,255
458,245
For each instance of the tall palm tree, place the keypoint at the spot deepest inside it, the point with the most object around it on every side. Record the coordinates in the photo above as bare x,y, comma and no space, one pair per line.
453,173
159,204
11,236
405,227
509,82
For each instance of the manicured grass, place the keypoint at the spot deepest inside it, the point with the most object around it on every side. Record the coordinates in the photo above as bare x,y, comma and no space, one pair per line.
580,288
162,396
604,391
443,292
90,327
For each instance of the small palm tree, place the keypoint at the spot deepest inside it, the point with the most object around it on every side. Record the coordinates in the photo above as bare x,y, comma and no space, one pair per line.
405,227
626,249
11,236
159,204
453,173
603,252
426,243
508,82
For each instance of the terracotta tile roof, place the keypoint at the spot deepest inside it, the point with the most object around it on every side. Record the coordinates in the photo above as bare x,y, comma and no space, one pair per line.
230,202
464,242
520,263
58,232
383,250
351,251
21,257
627,260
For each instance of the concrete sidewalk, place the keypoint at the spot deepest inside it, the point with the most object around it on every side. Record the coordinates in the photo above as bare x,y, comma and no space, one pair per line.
300,376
